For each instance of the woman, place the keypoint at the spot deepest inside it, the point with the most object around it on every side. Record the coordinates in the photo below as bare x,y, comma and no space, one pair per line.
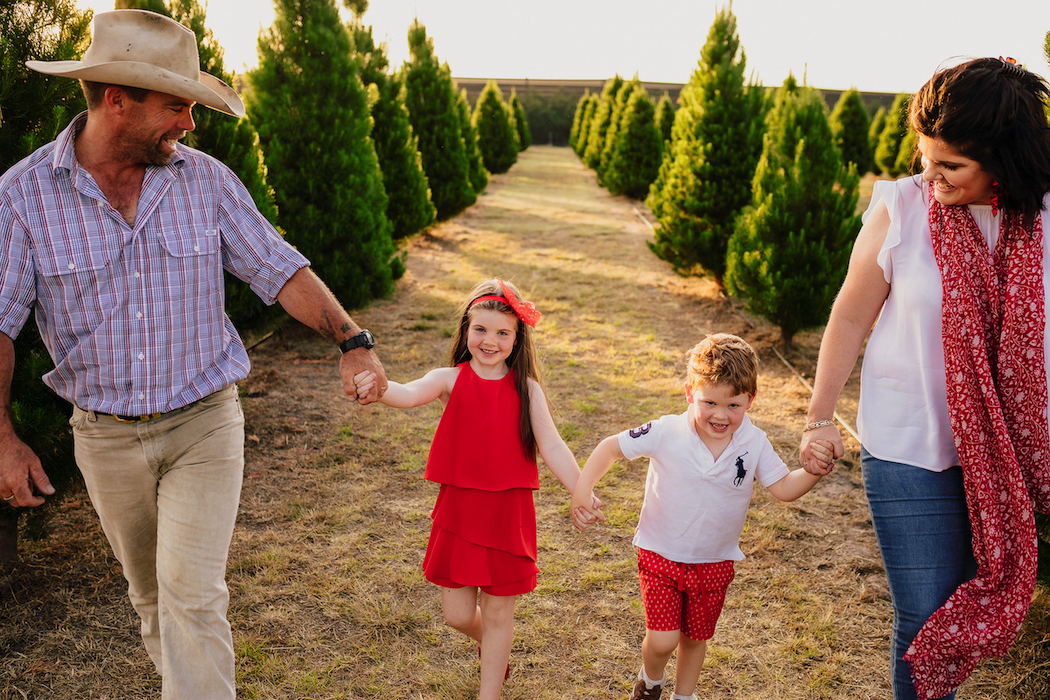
953,410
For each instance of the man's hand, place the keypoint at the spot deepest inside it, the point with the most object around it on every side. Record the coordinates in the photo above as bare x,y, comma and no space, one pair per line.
20,474
355,362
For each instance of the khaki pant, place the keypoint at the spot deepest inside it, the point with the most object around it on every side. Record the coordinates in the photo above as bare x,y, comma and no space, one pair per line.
166,492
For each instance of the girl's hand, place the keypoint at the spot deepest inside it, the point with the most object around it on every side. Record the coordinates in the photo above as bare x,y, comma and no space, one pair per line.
585,511
364,382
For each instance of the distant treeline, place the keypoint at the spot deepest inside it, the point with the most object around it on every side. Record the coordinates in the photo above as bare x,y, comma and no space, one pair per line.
551,104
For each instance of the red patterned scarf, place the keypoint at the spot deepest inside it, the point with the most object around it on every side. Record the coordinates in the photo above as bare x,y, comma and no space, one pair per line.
993,320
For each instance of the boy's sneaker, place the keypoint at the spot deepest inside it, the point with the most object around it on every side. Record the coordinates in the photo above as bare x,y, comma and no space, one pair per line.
642,691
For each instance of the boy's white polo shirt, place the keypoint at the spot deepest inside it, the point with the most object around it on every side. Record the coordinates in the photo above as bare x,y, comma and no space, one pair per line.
695,506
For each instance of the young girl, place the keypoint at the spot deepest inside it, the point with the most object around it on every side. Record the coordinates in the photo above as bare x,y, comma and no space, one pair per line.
496,419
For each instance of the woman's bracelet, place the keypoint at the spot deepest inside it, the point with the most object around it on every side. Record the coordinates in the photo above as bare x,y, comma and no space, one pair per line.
818,424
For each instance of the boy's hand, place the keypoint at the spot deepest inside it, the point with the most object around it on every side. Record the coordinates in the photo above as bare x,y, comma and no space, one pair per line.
823,452
585,511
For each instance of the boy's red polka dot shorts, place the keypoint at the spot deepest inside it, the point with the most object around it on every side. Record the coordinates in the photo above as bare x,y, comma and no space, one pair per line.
686,597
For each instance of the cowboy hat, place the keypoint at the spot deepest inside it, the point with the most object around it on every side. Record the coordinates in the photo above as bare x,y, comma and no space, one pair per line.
142,49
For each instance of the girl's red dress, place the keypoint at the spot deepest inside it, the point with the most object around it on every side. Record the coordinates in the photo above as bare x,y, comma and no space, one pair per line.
484,520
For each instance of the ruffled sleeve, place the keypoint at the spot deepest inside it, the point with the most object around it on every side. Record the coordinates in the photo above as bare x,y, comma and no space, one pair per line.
889,191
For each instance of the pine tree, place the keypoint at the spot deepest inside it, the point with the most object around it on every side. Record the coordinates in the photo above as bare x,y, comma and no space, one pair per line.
592,152
497,139
431,100
705,177
36,107
582,122
664,120
849,128
892,134
521,121
787,257
311,111
479,177
878,123
635,157
408,208
615,123
907,162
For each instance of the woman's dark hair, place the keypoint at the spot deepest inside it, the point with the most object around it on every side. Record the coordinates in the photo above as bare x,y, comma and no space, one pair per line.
994,112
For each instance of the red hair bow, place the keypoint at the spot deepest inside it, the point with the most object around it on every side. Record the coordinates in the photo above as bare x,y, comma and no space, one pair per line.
525,310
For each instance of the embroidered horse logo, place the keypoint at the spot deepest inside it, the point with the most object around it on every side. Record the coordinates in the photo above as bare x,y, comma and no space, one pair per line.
740,471
638,432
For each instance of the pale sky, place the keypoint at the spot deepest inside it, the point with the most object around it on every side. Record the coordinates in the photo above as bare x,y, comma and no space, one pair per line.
874,45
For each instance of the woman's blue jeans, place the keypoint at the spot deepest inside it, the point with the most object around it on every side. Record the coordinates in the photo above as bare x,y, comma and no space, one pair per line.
923,530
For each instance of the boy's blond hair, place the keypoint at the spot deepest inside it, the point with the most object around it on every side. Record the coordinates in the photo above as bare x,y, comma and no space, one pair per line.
721,358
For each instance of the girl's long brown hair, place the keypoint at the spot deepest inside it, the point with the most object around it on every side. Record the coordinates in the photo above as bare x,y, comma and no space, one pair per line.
523,358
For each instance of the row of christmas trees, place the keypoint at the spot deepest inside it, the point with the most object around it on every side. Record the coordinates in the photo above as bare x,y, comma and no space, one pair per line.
747,186
341,154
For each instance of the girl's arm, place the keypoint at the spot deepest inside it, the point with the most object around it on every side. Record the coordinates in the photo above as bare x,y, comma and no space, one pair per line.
600,461
435,384
556,454
853,314
558,457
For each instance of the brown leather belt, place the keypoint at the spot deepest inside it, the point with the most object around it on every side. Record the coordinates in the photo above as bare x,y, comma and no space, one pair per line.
132,419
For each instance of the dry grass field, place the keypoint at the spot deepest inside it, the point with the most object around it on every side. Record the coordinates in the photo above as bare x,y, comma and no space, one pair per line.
327,596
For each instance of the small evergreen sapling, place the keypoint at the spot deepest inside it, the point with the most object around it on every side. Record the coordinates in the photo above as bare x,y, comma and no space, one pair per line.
788,254
497,137
521,121
635,157
479,177
705,177
592,151
849,128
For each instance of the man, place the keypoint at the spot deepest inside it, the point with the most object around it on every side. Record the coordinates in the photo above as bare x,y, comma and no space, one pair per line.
118,237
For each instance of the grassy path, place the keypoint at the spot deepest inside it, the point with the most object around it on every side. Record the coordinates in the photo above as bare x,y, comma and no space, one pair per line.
327,596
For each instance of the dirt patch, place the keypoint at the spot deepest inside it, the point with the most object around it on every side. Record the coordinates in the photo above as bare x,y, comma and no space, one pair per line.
327,596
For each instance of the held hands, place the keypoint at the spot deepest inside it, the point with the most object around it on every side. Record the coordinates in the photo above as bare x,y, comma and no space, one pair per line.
364,384
818,456
364,379
585,510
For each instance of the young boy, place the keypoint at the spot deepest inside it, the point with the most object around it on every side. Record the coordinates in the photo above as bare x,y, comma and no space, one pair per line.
702,464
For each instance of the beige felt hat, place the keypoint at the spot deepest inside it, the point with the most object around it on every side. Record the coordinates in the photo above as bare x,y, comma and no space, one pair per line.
146,50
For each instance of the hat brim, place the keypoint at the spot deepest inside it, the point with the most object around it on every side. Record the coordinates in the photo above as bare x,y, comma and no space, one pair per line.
208,90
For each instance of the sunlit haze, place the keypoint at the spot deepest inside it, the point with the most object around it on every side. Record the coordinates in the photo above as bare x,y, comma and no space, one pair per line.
884,46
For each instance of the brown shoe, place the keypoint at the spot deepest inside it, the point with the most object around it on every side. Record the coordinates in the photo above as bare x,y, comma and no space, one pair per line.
643,692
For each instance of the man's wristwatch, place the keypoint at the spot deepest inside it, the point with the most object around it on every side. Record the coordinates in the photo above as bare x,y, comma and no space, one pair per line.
363,339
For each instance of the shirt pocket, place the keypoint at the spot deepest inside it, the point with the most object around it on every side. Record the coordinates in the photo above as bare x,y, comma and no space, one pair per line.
75,281
193,262
188,244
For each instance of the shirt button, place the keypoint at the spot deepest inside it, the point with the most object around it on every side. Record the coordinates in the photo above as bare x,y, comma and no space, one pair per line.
138,274
142,356
72,266
138,315
142,396
196,249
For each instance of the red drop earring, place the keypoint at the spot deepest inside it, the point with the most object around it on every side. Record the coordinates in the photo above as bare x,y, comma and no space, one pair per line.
995,197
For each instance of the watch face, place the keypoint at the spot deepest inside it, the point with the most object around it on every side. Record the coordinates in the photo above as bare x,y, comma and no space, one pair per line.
368,340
